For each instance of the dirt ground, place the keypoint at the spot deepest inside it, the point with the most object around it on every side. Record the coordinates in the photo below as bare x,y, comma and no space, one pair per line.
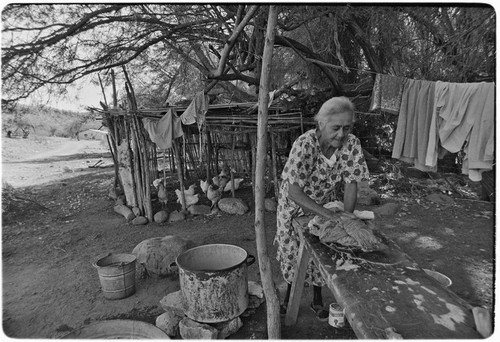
61,220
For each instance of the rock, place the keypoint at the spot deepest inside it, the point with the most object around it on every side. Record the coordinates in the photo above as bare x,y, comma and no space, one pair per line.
112,194
191,330
173,301
254,302
169,322
124,211
121,200
387,209
227,328
366,195
139,220
255,289
440,199
270,204
161,216
157,255
199,209
233,206
176,216
136,211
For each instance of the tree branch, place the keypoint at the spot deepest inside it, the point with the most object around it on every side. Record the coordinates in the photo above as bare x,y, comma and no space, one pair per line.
315,58
232,40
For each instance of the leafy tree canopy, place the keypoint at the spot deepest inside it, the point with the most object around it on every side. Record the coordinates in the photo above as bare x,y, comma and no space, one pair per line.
172,51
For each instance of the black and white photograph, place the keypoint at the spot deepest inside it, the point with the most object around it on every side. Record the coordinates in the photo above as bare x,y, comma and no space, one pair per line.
248,171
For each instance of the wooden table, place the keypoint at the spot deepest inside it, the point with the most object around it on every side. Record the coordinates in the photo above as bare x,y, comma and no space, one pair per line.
378,299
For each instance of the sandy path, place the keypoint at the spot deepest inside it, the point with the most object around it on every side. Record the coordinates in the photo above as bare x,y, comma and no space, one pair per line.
36,163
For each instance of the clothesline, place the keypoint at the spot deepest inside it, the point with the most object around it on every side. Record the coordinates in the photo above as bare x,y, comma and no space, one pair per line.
436,117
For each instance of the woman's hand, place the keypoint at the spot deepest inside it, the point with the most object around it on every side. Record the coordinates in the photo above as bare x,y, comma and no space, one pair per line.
336,215
347,215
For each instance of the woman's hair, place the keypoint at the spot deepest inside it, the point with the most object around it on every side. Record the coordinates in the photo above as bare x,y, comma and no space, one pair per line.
333,106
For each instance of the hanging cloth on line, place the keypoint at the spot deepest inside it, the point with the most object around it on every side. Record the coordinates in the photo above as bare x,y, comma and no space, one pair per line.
387,93
162,131
414,122
464,118
196,110
195,113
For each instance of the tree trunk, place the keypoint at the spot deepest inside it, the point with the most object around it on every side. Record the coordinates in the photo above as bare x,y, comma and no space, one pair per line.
273,314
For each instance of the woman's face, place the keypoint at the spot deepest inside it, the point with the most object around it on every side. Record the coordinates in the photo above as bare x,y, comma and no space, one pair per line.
335,130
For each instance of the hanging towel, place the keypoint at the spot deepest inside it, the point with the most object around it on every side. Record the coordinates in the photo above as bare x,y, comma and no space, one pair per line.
196,110
414,122
464,118
480,151
162,131
387,93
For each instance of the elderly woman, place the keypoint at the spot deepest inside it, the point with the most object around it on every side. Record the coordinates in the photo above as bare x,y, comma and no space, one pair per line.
320,159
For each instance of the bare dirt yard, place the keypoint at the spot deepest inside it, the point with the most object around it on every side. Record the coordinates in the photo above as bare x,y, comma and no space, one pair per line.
60,220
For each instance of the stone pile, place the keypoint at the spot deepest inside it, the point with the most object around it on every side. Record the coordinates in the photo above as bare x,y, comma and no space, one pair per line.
176,324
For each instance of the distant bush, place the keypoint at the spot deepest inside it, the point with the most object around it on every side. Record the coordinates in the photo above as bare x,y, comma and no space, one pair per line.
46,121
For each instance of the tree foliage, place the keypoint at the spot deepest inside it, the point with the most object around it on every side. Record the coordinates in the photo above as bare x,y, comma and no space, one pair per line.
172,51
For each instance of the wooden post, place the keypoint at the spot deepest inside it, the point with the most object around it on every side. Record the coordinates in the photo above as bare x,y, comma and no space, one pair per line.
233,143
254,162
148,208
216,171
115,97
297,287
272,301
209,155
175,147
275,165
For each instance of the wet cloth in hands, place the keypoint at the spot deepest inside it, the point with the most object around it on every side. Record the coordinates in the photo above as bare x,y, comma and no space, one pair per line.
353,233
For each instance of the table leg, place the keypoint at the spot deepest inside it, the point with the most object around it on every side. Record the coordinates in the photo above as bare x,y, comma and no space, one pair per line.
297,286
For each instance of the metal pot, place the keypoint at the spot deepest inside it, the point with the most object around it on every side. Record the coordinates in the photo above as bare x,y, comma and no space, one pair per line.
214,282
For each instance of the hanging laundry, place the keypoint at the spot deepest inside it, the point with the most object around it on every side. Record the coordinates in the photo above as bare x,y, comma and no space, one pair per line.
414,122
387,93
162,131
196,110
464,118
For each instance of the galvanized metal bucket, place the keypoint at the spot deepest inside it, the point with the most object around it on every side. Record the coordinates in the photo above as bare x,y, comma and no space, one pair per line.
214,282
116,275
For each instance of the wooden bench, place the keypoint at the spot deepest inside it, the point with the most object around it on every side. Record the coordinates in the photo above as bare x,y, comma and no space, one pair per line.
380,299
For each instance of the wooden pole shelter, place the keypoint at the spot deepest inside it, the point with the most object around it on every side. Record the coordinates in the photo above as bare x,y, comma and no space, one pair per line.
176,149
113,82
272,301
233,143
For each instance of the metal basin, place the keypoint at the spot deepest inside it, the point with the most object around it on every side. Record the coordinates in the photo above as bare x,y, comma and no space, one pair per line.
118,329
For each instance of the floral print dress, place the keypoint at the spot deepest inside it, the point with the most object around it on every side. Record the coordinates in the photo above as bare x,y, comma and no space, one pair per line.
318,177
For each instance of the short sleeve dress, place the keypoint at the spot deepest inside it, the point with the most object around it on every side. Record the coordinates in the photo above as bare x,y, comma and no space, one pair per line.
318,177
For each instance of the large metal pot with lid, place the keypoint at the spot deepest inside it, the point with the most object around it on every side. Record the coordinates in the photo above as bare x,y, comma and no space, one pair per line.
214,282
